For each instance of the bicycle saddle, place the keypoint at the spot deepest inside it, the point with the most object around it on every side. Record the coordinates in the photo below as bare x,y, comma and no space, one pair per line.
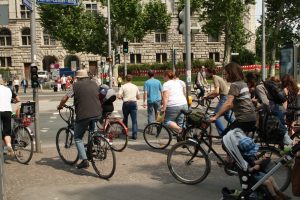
186,112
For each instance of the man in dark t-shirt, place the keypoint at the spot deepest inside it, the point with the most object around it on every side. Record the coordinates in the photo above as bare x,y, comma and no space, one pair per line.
87,109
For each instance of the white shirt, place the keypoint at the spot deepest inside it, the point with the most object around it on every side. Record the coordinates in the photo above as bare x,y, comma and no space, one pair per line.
176,96
16,82
5,99
129,92
63,80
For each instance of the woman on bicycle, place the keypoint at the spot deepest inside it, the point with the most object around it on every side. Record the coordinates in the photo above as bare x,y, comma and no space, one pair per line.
238,99
291,89
172,102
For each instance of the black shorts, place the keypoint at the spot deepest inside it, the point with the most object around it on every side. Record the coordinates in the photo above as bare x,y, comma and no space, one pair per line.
6,123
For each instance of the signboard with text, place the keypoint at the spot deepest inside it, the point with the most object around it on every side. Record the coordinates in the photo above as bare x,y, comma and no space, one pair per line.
64,2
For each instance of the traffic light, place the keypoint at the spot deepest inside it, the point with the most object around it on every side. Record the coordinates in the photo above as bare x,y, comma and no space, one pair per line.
181,24
125,47
117,58
34,76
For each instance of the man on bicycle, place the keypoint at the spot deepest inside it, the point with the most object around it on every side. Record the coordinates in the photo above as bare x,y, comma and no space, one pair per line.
5,112
87,109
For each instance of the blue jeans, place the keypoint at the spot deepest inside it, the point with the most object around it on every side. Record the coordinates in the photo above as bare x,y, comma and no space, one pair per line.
172,113
278,113
130,108
80,127
152,109
227,115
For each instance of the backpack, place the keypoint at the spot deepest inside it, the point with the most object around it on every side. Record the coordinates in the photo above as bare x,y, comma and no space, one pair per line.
275,91
195,118
108,95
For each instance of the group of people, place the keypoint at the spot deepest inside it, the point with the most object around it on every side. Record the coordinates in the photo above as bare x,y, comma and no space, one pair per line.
64,82
15,84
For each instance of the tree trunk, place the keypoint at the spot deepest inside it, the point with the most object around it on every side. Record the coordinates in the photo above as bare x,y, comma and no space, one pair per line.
227,47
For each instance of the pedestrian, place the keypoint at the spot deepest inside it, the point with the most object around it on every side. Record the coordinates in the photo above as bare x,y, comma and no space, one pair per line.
120,80
107,79
24,84
10,84
69,82
220,89
63,82
201,81
16,84
129,93
152,97
5,111
58,83
173,101
86,99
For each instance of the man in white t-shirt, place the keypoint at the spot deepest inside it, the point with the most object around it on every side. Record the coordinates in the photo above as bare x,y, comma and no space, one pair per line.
63,82
130,94
5,111
16,84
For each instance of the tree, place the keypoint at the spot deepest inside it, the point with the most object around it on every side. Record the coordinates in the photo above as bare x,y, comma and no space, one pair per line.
282,24
81,31
226,16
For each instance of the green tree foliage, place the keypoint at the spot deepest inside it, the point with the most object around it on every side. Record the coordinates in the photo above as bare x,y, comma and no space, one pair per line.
226,16
282,24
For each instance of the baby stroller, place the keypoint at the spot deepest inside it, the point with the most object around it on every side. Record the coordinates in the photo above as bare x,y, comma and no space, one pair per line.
251,189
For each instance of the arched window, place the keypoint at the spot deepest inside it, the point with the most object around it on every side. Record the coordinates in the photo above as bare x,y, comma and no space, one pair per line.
48,40
5,37
26,37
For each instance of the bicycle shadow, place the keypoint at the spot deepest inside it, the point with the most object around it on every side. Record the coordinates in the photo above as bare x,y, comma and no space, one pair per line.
57,164
144,147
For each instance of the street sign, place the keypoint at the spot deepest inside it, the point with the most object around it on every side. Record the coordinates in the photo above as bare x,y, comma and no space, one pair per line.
27,3
64,2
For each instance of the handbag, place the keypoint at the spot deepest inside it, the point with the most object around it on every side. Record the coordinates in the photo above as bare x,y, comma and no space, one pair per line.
296,177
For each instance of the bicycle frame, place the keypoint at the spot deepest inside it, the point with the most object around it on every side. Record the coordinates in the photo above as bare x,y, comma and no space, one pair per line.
108,119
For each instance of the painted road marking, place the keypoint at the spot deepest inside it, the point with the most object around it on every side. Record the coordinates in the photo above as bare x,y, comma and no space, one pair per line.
53,117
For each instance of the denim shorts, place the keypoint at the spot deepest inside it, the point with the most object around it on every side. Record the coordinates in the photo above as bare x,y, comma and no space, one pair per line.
173,112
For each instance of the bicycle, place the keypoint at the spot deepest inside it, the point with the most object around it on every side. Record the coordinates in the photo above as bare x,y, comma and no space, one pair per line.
159,136
115,130
98,149
189,163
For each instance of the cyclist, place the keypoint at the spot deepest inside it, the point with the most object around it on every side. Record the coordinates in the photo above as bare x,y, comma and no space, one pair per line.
87,109
238,100
201,81
173,102
221,89
5,111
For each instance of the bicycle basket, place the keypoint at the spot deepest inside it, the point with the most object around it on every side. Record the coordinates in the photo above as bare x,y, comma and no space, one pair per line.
195,118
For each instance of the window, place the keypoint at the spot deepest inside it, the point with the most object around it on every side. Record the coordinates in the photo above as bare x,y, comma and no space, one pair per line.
160,37
135,58
92,8
26,37
214,56
5,61
161,57
25,12
192,57
192,38
213,38
5,37
48,40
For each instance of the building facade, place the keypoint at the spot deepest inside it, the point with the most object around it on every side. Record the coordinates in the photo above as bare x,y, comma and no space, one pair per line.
156,47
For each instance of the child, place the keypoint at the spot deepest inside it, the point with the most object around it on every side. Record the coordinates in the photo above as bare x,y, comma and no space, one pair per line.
249,150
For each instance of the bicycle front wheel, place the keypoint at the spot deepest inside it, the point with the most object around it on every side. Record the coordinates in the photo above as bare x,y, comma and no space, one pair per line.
116,132
157,135
66,147
283,175
188,162
22,145
103,157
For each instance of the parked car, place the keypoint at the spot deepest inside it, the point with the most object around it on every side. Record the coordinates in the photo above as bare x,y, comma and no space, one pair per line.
43,75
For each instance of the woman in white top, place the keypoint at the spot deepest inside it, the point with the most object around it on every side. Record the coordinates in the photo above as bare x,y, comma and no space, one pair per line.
173,101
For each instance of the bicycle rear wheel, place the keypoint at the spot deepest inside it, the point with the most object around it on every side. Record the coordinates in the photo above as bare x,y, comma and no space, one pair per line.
188,162
103,157
66,147
192,132
22,145
283,175
116,132
157,135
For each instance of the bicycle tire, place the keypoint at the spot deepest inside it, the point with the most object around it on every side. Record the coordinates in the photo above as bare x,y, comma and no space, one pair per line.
116,132
65,145
195,100
284,174
193,131
22,145
157,135
189,171
102,155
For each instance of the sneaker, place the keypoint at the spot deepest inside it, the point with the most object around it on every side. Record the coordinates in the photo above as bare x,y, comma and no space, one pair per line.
10,151
133,137
83,165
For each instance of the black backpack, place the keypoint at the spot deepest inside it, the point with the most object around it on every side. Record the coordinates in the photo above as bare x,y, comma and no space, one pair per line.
275,91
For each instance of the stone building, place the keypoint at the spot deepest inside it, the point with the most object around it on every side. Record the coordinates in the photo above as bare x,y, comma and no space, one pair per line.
15,49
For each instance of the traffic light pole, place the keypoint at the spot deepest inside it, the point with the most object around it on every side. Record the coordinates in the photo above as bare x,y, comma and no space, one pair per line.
125,65
187,32
35,91
109,43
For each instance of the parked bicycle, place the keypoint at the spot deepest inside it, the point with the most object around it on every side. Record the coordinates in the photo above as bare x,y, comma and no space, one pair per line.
98,149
